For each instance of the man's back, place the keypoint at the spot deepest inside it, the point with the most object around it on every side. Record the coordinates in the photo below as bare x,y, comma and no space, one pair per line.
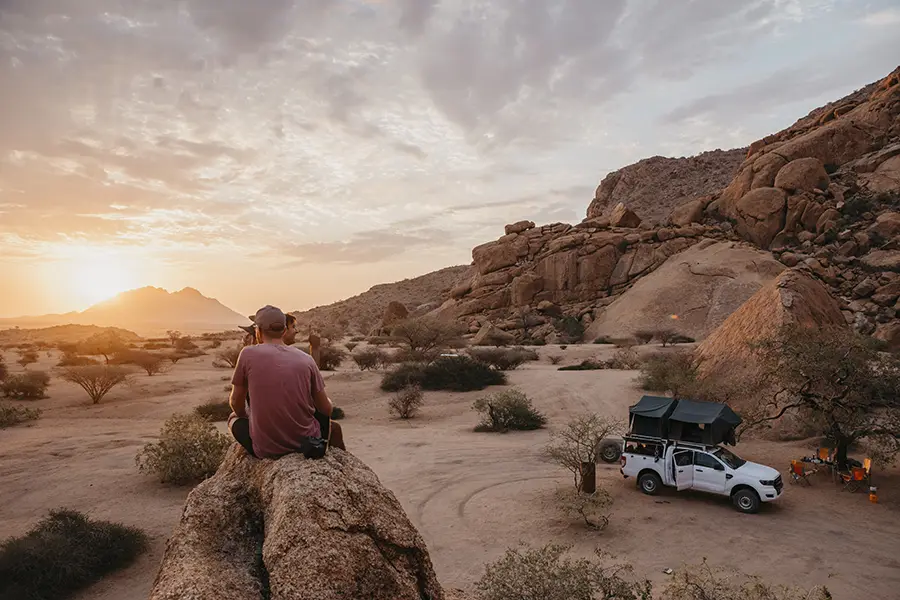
281,380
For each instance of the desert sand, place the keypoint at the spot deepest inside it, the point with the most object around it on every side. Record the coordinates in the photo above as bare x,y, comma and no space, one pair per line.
470,494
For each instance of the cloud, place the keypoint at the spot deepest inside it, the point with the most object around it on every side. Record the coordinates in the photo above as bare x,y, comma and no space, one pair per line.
369,246
882,18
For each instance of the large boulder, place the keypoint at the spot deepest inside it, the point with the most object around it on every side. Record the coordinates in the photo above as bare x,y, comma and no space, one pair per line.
760,215
622,216
294,528
494,256
394,312
518,227
791,298
687,213
802,175
700,286
489,335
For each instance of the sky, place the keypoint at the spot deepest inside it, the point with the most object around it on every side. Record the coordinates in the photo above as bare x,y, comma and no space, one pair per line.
296,152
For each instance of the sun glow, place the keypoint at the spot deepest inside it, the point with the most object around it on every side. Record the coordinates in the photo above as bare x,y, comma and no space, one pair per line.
97,274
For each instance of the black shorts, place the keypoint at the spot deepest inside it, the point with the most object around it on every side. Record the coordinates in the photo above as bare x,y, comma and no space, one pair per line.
240,430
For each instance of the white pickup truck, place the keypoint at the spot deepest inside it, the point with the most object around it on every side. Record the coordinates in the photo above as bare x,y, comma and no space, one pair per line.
688,466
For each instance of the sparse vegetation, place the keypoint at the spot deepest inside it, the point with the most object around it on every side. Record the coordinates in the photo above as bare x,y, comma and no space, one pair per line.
625,359
580,442
502,359
674,372
185,344
331,357
406,402
155,345
603,340
458,374
643,336
588,364
97,380
104,344
214,410
369,359
592,508
177,355
189,449
26,386
509,409
27,357
555,359
701,582
226,358
350,346
10,414
4,370
174,336
670,337
151,363
570,329
423,338
337,413
71,359
63,553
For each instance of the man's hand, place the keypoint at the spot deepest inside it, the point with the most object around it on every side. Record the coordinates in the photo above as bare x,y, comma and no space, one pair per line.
238,400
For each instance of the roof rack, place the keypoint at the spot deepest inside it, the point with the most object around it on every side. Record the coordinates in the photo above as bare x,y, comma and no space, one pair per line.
666,442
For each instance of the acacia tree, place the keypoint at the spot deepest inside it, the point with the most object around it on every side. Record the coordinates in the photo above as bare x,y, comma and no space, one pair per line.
105,344
830,375
174,336
96,380
28,357
579,443
423,338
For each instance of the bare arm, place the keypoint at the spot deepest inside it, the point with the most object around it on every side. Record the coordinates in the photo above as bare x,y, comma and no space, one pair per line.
238,400
323,402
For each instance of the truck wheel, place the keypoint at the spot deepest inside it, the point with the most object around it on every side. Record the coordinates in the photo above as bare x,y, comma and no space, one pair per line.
610,452
650,483
746,501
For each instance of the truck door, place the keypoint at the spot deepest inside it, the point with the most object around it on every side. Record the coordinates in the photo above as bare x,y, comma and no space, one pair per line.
709,473
683,465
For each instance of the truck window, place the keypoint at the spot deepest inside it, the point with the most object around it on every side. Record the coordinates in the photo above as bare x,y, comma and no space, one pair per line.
683,458
701,459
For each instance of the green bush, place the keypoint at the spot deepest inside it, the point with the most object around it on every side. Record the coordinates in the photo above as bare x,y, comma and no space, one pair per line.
509,409
10,414
337,413
457,374
214,410
65,552
26,386
189,449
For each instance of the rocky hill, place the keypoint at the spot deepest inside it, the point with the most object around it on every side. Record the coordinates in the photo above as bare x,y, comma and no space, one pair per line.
71,334
654,186
363,312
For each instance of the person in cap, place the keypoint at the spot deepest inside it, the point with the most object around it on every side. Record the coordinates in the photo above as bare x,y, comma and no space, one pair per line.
287,391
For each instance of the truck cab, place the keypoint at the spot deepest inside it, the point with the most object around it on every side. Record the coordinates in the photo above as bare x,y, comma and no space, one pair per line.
656,462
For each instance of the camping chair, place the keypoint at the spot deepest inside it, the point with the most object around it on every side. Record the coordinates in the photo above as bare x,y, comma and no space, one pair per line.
856,478
799,474
824,454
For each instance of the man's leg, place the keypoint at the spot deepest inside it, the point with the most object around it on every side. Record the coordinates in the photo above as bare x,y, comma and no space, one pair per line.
240,430
330,431
337,436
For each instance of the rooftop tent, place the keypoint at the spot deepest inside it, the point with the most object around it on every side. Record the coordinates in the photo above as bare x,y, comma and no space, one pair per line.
650,416
704,422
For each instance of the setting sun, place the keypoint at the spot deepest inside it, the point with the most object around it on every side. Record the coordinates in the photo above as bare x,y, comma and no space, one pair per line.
97,274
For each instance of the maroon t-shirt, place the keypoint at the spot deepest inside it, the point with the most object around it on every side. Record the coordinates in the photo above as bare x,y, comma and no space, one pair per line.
282,381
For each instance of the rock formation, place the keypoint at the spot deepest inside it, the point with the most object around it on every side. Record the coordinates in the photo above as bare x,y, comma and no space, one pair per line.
693,292
654,186
294,528
791,298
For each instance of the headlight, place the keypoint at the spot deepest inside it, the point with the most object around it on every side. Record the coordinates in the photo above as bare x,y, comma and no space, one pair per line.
768,482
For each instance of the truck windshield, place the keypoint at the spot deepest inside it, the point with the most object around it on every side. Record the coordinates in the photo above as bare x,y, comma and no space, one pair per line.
732,460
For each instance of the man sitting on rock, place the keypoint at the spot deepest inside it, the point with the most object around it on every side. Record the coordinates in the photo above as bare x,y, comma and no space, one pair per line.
290,407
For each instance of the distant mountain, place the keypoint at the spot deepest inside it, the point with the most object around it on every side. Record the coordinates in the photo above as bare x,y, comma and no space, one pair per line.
147,310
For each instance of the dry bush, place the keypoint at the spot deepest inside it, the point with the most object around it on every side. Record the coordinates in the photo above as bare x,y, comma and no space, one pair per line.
555,359
624,359
571,330
185,344
10,414
71,359
26,386
96,380
64,553
643,336
588,364
226,358
528,573
702,582
425,337
152,364
406,402
350,346
509,409
369,359
502,359
155,345
215,343
671,337
214,410
674,372
580,442
28,357
603,339
331,357
189,449
456,374
593,509
177,355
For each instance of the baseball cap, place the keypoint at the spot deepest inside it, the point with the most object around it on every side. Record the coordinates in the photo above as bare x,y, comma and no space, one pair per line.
270,318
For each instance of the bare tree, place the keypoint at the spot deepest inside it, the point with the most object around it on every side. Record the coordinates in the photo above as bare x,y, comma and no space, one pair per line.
579,443
665,336
227,358
96,380
406,402
423,338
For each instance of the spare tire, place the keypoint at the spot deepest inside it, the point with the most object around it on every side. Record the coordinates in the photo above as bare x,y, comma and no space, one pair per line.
610,451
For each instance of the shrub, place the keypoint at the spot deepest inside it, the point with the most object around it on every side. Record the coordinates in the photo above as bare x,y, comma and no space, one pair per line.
697,582
10,414
570,328
151,363
424,337
105,343
214,410
406,402
96,380
673,372
643,336
457,374
4,370
369,358
563,346
63,553
226,358
28,357
603,340
185,344
501,359
358,338
509,409
155,345
593,508
189,449
665,336
527,353
350,346
177,355
71,359
216,343
331,357
555,359
26,386
528,573
337,413
624,359
585,365
579,442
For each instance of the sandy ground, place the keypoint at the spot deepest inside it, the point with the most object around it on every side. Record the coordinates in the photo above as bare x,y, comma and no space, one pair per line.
471,495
